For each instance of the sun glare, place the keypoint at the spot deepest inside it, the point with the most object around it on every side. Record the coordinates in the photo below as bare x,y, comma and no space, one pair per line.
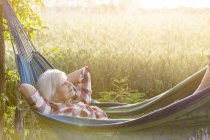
175,3
142,3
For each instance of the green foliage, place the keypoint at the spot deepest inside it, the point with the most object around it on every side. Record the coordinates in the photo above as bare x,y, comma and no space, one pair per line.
12,75
9,123
3,98
25,13
52,53
9,114
10,100
121,93
31,22
12,78
9,131
159,86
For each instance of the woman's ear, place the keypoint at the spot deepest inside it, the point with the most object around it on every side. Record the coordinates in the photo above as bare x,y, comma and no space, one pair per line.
27,90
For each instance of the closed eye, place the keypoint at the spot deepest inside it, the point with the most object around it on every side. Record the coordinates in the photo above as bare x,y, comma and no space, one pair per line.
64,84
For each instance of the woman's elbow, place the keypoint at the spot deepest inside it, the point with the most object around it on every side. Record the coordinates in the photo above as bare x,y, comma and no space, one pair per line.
27,89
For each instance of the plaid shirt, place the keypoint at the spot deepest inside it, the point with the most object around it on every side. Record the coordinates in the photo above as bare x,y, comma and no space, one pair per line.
78,107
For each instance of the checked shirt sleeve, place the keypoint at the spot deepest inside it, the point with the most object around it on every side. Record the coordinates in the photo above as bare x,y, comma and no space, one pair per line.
84,85
38,103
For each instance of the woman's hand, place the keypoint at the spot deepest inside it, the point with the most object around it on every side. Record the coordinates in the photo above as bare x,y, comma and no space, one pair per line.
74,76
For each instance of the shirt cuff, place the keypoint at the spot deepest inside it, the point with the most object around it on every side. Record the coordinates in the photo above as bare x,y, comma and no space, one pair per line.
33,98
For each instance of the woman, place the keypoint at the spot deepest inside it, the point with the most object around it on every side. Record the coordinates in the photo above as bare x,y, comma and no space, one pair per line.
56,94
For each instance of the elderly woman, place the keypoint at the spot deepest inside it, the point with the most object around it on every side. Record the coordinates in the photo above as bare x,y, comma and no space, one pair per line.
56,94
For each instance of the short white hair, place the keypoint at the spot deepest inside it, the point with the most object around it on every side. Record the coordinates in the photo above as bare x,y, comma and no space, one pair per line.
49,81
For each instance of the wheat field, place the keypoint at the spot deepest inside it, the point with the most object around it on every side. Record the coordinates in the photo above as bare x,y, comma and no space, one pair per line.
153,50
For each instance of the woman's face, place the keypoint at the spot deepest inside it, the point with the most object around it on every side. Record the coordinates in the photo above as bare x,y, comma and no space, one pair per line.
64,92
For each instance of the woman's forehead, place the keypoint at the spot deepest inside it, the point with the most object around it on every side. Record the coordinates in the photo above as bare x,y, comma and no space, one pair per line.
61,79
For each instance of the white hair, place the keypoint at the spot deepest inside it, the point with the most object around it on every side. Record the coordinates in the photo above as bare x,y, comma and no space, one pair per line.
49,81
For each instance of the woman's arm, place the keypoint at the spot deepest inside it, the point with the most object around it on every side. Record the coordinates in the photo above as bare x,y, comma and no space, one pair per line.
84,90
27,90
74,76
33,98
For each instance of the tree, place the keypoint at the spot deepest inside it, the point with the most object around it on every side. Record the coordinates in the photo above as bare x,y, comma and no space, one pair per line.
2,71
31,22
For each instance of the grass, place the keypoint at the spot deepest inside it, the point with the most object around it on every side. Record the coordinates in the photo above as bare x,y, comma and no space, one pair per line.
145,47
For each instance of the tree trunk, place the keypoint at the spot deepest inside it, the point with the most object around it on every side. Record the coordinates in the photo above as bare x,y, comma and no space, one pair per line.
2,72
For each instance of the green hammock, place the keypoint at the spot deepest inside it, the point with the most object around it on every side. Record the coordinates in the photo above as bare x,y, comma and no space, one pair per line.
174,114
181,90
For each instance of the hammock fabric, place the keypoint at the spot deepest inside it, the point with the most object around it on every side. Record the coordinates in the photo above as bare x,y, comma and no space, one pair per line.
174,114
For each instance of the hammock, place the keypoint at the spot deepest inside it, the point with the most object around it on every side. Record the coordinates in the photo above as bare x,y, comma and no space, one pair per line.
174,114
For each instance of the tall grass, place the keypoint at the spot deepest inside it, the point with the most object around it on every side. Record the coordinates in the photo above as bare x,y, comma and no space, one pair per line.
148,48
